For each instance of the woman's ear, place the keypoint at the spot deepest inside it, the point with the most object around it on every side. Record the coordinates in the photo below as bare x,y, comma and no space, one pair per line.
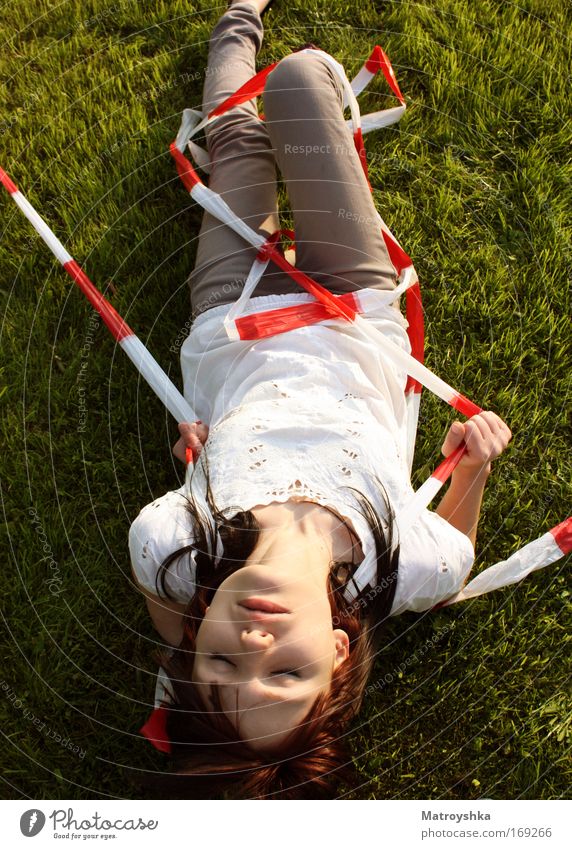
342,646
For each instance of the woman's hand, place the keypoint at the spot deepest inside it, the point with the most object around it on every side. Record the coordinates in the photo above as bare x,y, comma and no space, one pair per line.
486,437
193,436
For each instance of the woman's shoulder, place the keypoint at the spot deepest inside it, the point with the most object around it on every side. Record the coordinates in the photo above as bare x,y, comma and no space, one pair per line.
162,527
171,500
435,559
160,522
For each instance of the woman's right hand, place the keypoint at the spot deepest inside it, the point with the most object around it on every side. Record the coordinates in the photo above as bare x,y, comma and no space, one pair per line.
193,436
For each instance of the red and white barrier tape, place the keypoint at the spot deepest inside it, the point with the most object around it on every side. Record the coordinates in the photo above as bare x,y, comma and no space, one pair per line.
548,548
193,120
543,551
148,367
346,307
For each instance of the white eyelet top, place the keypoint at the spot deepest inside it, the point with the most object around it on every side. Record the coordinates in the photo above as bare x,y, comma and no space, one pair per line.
303,414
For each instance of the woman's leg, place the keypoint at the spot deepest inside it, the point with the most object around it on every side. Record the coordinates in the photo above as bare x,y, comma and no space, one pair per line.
243,169
338,238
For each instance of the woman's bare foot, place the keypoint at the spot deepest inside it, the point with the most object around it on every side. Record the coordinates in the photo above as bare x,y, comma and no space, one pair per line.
260,4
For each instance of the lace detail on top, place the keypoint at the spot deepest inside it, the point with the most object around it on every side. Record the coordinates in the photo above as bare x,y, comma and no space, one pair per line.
295,445
296,488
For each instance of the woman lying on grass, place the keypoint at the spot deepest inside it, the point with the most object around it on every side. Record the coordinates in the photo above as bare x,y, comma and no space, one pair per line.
272,579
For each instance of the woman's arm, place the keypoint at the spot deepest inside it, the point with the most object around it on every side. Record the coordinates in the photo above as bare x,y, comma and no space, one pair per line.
461,504
486,437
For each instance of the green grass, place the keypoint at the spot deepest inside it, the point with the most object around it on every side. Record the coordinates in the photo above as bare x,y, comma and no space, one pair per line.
475,182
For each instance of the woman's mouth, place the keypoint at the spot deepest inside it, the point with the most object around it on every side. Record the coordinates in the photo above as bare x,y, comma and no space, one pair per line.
262,605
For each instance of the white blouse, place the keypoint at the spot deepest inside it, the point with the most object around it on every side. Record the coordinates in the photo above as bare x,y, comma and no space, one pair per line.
304,414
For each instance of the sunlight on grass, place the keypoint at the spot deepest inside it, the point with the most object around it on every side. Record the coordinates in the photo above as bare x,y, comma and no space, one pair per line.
475,183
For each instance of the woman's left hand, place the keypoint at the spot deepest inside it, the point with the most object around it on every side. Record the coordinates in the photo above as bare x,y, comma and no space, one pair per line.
193,436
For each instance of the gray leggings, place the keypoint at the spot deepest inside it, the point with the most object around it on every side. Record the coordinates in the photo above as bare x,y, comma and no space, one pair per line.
338,239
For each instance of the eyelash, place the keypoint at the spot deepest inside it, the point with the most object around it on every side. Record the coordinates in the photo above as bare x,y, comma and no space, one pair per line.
280,672
221,657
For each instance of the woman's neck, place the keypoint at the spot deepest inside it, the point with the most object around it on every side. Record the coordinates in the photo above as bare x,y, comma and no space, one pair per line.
304,523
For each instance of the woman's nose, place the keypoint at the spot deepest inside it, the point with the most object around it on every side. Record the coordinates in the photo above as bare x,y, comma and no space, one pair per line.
256,638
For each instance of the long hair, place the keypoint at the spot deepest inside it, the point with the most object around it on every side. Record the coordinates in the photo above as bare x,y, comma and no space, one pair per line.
208,758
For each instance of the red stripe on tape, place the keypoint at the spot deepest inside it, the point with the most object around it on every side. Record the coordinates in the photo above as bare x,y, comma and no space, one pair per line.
265,251
360,147
252,88
7,182
444,469
397,255
379,61
271,322
464,406
373,64
339,307
415,331
186,171
110,316
413,385
562,533
389,74
155,730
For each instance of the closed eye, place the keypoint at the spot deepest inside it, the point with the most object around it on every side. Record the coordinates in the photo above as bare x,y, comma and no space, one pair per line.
223,658
287,672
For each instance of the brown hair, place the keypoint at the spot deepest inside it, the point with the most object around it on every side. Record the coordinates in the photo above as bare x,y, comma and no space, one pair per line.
208,758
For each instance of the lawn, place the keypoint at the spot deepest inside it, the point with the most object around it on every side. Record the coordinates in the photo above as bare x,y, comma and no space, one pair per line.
470,702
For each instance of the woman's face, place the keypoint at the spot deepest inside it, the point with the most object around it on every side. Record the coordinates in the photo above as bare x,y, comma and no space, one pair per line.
271,666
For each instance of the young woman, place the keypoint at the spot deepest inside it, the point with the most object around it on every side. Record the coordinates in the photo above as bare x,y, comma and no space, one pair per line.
272,576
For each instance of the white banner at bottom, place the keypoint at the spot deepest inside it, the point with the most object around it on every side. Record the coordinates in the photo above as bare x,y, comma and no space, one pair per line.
240,825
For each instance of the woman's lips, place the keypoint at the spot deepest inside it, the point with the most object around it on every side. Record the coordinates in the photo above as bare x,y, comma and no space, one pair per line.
262,605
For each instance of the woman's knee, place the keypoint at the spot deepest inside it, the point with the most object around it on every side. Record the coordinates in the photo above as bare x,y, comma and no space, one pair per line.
301,72
288,71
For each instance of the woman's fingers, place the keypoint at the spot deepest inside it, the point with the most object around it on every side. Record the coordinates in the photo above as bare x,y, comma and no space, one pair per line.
202,431
476,431
495,423
193,436
188,430
485,435
179,449
488,435
192,442
454,438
